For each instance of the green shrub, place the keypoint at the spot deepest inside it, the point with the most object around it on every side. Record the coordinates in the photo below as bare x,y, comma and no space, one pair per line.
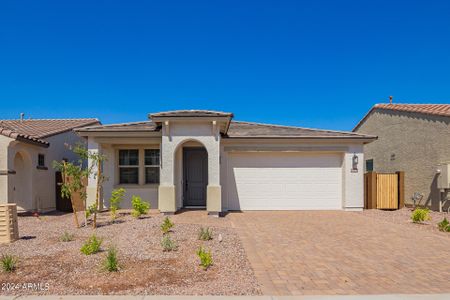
420,215
139,207
91,246
66,237
205,234
90,210
166,225
110,263
9,263
205,258
444,225
115,200
168,244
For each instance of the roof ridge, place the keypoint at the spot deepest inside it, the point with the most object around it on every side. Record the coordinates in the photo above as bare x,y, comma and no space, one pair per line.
298,127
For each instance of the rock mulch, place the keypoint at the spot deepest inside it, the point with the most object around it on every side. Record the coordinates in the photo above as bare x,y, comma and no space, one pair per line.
403,217
56,267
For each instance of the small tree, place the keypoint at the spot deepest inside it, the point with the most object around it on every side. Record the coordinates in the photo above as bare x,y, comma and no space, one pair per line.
114,202
74,173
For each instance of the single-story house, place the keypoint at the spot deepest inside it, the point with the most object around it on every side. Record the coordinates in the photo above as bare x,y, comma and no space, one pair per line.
204,159
27,149
414,138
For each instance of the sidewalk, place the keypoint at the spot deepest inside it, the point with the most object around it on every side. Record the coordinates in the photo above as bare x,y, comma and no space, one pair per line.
340,297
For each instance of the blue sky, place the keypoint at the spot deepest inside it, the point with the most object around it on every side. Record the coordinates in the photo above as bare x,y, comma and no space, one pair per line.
319,64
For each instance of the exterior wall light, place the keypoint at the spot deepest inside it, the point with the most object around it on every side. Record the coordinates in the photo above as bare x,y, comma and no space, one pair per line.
354,163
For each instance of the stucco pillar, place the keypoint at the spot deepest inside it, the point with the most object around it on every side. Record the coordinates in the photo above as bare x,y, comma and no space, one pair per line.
166,189
214,190
353,178
91,189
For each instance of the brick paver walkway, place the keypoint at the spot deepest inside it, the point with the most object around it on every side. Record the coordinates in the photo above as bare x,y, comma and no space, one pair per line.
310,252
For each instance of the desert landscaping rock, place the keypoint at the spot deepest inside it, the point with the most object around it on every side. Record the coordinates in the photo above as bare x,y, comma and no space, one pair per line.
144,268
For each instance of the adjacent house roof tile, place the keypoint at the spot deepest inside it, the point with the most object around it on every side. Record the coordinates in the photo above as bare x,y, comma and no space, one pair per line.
427,109
36,130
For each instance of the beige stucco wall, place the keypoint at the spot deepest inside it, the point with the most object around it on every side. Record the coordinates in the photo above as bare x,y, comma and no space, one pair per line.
39,194
4,144
419,142
176,135
148,192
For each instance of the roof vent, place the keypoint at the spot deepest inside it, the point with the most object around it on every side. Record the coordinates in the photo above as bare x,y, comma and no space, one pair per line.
390,99
22,115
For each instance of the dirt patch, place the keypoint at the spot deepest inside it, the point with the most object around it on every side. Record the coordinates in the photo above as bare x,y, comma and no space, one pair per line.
403,217
55,267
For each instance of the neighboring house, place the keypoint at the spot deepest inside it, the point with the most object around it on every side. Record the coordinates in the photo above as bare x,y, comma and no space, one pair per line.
197,158
27,149
414,138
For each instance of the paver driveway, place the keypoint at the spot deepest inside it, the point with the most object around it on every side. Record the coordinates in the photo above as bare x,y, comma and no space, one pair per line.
309,252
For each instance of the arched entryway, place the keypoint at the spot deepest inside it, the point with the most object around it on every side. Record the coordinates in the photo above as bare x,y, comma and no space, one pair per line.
22,193
191,174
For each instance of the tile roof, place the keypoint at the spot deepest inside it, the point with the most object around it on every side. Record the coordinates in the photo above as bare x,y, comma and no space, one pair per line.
427,109
191,113
236,129
36,130
122,127
240,129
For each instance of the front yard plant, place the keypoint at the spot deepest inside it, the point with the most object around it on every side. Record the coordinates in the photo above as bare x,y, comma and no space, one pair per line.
91,246
205,234
66,237
115,200
444,225
166,225
420,215
139,207
9,263
111,263
205,258
168,244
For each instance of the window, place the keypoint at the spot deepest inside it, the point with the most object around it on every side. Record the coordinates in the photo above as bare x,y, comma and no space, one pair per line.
151,161
41,160
129,166
369,165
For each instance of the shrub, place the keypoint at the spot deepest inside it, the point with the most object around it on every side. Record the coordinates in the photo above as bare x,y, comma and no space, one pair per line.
444,225
205,234
205,258
168,244
91,246
166,225
420,215
91,209
9,263
139,207
114,202
110,263
66,237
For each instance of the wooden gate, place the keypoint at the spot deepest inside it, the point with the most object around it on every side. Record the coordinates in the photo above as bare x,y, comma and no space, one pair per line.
384,190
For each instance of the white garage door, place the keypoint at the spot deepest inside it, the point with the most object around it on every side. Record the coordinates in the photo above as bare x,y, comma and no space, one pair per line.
284,181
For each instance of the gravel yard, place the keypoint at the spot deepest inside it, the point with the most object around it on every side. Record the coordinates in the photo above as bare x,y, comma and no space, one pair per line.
403,217
145,268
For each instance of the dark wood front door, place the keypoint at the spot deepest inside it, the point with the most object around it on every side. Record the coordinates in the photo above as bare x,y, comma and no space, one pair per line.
195,173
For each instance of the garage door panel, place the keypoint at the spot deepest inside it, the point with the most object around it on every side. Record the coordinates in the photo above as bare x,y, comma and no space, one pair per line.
276,180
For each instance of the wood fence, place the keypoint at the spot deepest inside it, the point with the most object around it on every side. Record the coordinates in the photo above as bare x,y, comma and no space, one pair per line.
384,190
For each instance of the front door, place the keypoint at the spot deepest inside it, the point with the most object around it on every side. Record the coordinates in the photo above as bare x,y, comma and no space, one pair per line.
195,170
